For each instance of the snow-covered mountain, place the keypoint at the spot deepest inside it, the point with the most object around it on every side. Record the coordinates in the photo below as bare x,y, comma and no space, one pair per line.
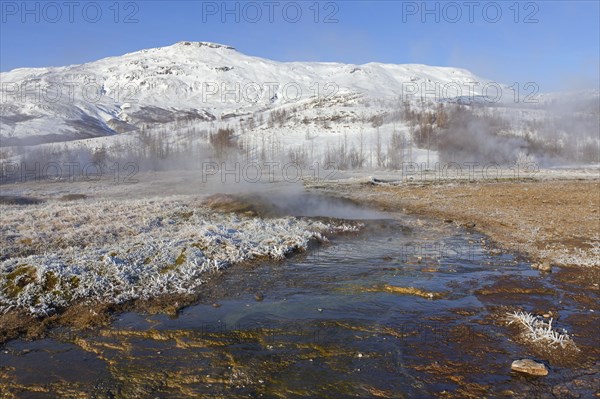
203,82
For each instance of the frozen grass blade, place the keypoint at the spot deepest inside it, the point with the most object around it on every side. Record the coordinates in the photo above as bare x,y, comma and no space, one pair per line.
537,330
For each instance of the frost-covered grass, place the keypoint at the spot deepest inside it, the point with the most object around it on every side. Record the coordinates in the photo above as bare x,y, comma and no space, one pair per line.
537,330
54,254
588,257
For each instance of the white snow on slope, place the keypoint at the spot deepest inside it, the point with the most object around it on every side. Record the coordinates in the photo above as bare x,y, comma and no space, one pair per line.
200,81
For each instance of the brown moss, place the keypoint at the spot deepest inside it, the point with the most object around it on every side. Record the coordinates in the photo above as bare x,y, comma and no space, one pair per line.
86,315
26,241
14,324
405,291
515,291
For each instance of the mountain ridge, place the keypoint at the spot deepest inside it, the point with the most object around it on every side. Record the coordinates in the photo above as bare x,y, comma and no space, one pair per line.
205,82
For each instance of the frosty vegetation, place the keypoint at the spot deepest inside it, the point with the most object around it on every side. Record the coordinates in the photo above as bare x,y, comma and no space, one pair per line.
54,254
537,330
589,257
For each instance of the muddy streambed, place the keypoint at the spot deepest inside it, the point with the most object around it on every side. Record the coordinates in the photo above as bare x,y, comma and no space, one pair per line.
402,309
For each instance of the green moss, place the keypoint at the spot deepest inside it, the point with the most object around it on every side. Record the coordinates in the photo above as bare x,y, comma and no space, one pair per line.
200,246
178,262
50,281
74,281
180,259
18,279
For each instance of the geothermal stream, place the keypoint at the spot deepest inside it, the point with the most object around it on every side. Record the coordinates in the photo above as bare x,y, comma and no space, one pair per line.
404,308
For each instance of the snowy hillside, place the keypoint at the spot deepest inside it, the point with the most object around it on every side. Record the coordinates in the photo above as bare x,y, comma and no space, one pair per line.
196,81
173,101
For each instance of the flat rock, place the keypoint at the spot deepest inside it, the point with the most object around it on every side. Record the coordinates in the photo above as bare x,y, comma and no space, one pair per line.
530,367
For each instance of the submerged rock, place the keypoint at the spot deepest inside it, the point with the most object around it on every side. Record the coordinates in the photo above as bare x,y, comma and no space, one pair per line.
542,267
545,267
530,367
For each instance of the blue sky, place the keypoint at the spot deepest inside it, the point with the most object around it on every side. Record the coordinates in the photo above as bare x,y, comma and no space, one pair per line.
553,43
